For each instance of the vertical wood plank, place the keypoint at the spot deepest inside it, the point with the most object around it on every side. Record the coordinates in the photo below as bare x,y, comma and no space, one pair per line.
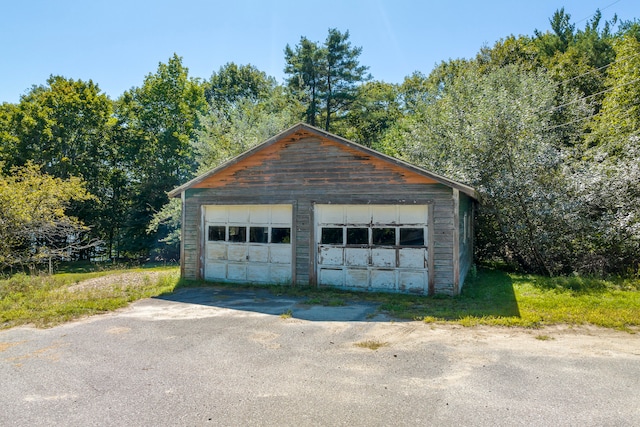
293,238
200,255
313,247
456,241
431,250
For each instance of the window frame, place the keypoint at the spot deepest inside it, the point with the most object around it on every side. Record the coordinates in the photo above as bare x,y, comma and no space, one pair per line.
371,229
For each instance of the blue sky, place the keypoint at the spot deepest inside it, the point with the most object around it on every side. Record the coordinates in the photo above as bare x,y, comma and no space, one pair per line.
117,43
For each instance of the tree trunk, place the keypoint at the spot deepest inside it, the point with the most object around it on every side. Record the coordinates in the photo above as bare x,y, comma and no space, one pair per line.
328,110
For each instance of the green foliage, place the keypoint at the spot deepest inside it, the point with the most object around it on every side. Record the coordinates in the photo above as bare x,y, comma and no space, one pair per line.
63,126
325,78
66,127
490,131
561,36
232,127
167,223
545,126
375,109
306,84
512,50
158,121
238,83
34,224
619,119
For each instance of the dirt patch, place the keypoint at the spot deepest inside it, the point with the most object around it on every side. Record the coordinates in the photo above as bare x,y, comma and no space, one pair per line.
7,345
124,279
560,340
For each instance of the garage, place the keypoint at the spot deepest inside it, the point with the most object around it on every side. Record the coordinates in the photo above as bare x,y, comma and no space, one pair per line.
309,208
383,247
248,243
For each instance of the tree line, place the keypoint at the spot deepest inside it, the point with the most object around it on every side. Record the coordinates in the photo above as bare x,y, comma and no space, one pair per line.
545,127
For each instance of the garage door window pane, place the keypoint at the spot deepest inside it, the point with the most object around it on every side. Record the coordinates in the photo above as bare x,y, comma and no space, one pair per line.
412,237
357,236
216,233
384,236
237,234
280,235
332,236
259,234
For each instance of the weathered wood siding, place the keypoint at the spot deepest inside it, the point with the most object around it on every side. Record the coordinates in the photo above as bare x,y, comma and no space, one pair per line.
306,170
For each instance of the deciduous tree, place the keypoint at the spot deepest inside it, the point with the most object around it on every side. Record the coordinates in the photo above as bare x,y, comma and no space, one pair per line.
158,121
34,223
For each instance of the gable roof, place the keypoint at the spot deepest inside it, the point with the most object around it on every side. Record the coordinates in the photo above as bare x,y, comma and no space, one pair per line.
308,130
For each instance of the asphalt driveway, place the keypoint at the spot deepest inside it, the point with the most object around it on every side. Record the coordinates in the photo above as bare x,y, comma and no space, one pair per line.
212,357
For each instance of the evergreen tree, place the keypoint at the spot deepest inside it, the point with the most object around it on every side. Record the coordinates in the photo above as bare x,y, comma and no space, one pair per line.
326,77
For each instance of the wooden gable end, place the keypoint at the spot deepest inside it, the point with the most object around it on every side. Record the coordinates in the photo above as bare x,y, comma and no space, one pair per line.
308,159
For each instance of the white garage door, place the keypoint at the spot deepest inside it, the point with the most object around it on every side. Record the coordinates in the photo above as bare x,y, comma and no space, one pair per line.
380,247
248,243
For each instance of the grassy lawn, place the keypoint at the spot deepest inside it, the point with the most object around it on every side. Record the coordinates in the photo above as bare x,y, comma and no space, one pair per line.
492,297
495,297
45,301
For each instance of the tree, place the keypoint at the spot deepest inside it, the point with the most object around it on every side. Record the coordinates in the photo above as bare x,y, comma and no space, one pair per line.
375,109
222,136
8,139
157,122
305,66
619,118
562,36
34,224
607,175
245,108
495,132
66,127
512,50
342,74
233,83
167,222
325,78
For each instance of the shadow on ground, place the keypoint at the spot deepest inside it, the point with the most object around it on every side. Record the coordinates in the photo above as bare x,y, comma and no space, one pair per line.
489,294
264,301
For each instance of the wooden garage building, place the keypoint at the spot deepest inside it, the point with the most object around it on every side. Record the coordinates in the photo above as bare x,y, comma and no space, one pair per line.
310,208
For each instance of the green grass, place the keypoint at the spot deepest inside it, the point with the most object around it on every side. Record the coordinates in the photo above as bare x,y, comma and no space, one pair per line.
44,300
492,297
499,298
495,297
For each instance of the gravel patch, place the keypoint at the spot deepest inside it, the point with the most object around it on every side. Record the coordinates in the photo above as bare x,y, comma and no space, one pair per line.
124,279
